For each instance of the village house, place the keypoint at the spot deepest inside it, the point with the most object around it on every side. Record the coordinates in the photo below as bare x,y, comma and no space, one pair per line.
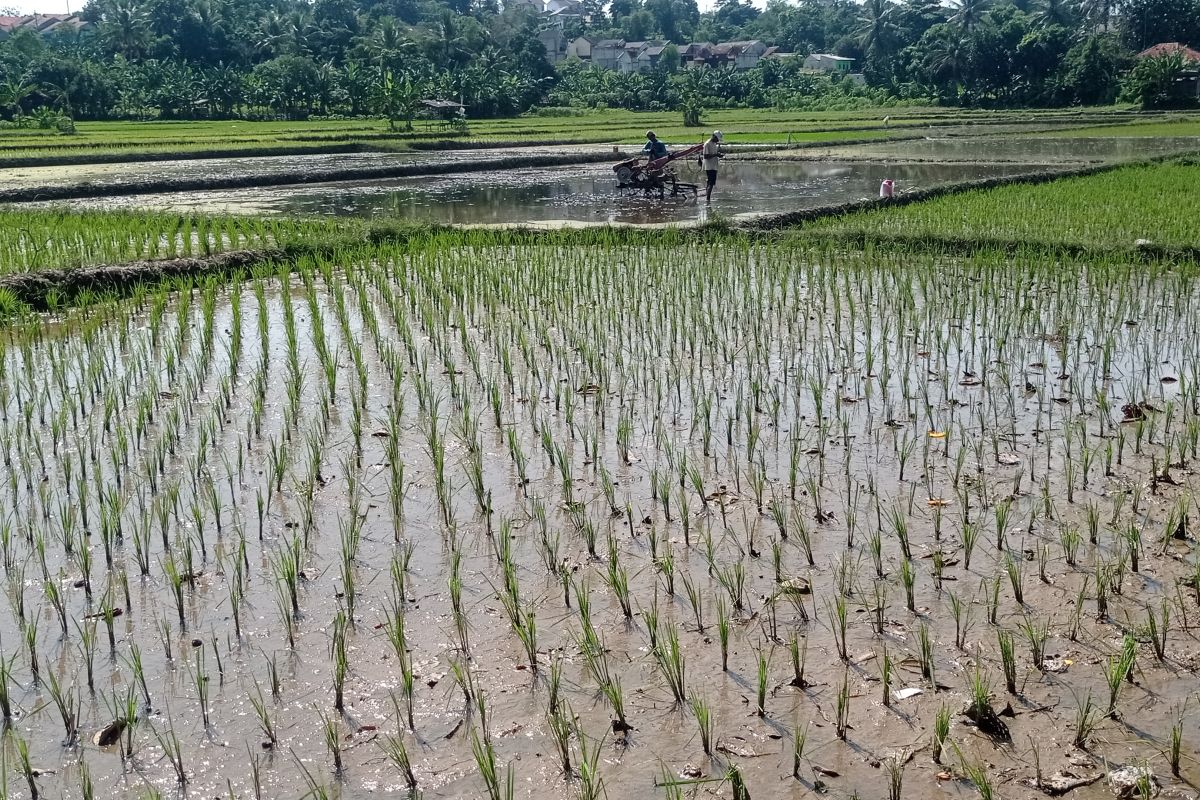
580,48
42,24
622,56
1191,59
606,52
555,42
563,8
828,62
739,55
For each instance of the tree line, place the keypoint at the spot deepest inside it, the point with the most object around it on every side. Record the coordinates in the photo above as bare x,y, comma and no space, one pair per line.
184,59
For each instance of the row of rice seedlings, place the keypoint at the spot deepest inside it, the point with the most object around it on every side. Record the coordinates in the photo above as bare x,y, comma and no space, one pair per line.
42,239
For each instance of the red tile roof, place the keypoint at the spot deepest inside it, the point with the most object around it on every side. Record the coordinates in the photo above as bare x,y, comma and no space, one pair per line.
1167,48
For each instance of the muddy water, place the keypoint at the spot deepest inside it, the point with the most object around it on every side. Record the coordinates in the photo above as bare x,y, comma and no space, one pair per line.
1023,149
584,194
688,390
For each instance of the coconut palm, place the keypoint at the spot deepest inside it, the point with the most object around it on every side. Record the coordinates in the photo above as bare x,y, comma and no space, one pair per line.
1055,12
969,13
1097,12
947,55
877,32
125,29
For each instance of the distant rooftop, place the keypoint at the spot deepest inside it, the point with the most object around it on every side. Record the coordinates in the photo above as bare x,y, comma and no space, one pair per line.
1167,48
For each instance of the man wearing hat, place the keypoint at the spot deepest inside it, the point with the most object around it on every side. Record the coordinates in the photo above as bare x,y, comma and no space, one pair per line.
654,148
710,157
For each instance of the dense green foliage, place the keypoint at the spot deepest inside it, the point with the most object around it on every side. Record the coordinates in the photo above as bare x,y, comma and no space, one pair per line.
176,59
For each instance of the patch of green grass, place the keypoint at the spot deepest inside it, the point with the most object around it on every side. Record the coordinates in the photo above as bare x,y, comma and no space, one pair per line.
1113,209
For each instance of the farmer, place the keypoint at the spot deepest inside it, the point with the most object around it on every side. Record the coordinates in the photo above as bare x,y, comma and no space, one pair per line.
710,158
654,148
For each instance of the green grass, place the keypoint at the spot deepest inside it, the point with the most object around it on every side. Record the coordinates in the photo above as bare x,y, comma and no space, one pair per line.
1112,209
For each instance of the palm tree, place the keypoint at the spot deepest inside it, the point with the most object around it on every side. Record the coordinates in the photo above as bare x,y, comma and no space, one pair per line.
946,56
272,33
1055,12
1096,11
876,32
969,13
125,28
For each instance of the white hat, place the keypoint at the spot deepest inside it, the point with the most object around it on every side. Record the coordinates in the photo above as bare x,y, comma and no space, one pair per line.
718,136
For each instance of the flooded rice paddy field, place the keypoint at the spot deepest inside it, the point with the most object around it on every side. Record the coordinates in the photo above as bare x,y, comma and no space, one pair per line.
1023,149
265,167
586,194
573,516
580,194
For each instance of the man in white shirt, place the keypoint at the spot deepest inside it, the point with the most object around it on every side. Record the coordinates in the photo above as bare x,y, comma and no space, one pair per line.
711,156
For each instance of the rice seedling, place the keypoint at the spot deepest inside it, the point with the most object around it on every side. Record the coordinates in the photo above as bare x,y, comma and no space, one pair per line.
842,723
333,740
941,732
925,653
671,662
762,677
1012,568
1175,747
591,784
704,722
1117,669
723,634
1036,635
263,715
894,766
962,613
397,753
1087,717
1158,626
838,615
976,772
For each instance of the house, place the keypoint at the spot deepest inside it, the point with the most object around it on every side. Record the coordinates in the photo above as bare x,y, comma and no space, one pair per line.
564,8
1168,48
555,42
745,55
696,54
828,62
42,24
649,57
1191,58
606,52
580,48
627,62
